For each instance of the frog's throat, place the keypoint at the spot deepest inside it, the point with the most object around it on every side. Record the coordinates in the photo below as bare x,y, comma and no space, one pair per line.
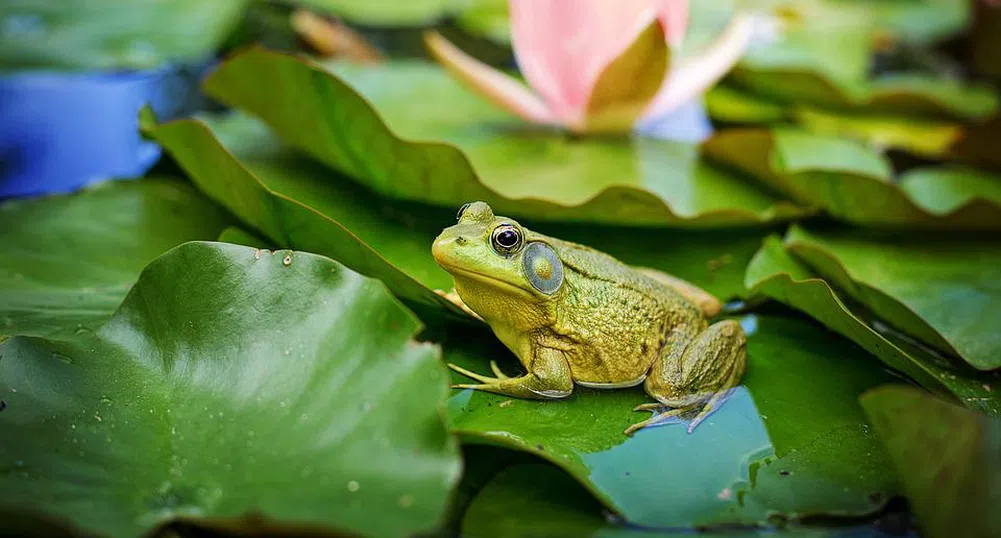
486,279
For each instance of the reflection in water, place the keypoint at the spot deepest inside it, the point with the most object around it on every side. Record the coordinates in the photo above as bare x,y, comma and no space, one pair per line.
715,460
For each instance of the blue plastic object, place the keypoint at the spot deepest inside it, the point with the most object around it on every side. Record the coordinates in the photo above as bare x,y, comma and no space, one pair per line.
61,131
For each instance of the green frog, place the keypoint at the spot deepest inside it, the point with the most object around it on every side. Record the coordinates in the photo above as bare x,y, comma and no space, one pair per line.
574,315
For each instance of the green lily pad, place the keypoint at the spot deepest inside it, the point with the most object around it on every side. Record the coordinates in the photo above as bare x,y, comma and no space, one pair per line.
100,34
433,141
928,135
854,184
945,292
776,273
486,18
790,441
264,189
913,95
409,13
69,260
949,460
232,380
295,203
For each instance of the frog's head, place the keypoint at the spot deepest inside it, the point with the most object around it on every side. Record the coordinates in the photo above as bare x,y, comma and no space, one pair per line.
499,266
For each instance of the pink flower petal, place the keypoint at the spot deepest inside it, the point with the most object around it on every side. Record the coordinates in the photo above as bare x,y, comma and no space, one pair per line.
673,16
498,87
628,84
562,46
690,77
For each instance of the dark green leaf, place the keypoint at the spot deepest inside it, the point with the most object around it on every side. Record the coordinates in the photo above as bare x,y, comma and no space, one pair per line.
949,460
68,261
791,440
945,292
776,273
433,141
232,380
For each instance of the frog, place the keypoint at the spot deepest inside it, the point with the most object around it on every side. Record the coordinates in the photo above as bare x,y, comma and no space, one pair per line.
574,315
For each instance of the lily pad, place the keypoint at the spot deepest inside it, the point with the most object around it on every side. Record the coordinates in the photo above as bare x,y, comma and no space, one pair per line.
945,292
776,273
790,441
100,34
409,13
433,141
263,191
296,203
70,260
949,460
232,380
854,184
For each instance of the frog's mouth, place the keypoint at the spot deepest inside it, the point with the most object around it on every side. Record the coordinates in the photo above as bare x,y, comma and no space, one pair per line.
486,279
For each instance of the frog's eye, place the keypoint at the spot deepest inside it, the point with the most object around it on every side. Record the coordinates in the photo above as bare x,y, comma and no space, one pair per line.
506,239
465,206
543,267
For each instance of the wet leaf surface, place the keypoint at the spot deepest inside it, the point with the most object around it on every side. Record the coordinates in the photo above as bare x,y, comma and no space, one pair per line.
536,500
455,147
68,261
782,442
949,459
226,371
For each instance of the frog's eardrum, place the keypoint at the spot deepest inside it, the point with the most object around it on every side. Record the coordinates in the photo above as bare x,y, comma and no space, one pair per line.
543,268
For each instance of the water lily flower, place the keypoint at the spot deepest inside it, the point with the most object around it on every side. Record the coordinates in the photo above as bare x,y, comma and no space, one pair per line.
598,65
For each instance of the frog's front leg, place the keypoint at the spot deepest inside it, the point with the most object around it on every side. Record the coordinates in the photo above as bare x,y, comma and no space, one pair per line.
548,377
695,372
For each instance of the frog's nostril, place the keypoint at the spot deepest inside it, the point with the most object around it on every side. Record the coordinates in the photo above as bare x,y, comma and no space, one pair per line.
460,240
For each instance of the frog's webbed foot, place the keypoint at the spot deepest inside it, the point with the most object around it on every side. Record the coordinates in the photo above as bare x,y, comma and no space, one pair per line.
453,297
549,378
663,412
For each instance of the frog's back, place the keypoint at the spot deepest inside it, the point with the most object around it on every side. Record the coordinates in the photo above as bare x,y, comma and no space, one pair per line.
619,316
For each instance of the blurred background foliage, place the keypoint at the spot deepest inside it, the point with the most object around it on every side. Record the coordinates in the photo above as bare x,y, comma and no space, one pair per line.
248,340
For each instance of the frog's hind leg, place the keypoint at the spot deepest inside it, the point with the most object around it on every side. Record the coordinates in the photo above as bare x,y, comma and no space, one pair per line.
700,378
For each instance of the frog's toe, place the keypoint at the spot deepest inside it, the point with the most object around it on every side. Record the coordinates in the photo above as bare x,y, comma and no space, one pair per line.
650,407
470,386
656,419
472,375
497,371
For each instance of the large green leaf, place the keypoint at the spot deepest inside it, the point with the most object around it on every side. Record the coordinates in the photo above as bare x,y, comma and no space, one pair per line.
944,291
68,261
776,273
949,460
433,141
854,184
232,380
790,441
298,204
107,34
